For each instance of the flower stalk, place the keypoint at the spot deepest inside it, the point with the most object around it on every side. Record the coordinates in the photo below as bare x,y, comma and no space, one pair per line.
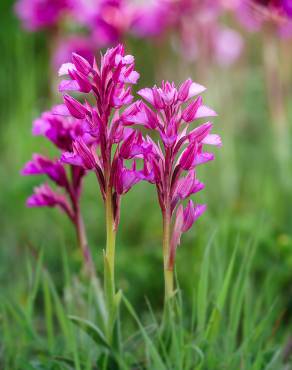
170,111
107,145
168,269
89,268
109,266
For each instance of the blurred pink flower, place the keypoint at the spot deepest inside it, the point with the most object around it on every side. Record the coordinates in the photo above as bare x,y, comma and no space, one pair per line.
228,46
37,14
61,131
44,196
200,34
151,18
253,14
81,45
106,20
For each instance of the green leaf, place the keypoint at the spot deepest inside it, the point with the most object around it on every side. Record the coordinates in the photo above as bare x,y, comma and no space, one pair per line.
158,363
91,329
203,288
214,320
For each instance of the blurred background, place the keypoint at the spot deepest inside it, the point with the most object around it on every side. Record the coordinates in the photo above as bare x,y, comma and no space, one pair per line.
242,52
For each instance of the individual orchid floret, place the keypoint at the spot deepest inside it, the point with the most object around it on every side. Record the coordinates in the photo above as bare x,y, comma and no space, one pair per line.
40,165
61,131
105,89
44,196
173,160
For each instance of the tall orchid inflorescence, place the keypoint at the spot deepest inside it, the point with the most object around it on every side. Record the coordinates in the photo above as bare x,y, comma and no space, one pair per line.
174,158
108,86
96,134
61,132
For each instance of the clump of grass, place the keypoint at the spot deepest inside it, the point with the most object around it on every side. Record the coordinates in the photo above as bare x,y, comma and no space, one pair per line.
223,328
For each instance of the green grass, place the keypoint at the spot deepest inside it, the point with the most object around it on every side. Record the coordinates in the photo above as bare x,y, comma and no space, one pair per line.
227,326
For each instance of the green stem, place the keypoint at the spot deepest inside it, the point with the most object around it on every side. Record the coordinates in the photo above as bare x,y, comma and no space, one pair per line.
82,240
168,270
109,265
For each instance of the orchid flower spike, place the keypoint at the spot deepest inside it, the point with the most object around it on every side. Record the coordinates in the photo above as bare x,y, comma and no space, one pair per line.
173,160
108,85
61,131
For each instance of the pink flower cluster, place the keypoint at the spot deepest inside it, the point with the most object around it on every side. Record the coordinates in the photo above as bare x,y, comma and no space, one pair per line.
61,132
99,134
114,144
173,160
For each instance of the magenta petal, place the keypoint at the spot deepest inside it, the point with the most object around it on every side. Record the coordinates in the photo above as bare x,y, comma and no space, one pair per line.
81,80
188,156
60,110
177,230
125,178
82,155
43,165
188,185
64,69
203,158
212,139
68,85
204,111
40,126
129,179
191,213
81,64
195,89
31,168
75,108
200,132
43,196
147,94
71,158
190,112
184,89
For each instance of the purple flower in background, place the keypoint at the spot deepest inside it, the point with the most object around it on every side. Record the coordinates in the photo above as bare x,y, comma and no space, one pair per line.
37,14
228,45
151,18
107,20
287,7
173,160
80,45
40,165
61,131
201,35
58,127
44,196
254,13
